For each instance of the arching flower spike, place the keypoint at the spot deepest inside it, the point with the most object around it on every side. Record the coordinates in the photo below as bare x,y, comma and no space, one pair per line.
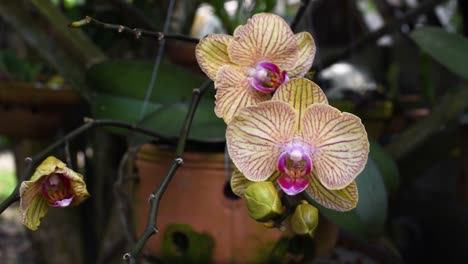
311,145
52,184
252,64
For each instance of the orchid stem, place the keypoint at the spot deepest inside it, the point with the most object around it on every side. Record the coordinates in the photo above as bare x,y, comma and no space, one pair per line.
299,14
90,123
137,32
156,195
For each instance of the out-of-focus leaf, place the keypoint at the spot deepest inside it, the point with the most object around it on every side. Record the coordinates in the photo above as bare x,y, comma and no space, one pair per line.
368,218
120,87
386,165
131,78
449,49
166,119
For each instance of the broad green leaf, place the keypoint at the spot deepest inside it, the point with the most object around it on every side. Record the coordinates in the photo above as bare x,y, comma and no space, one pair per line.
449,49
166,119
120,87
386,165
131,78
368,218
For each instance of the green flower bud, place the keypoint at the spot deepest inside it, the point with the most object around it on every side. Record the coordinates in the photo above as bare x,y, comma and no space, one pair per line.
263,201
304,221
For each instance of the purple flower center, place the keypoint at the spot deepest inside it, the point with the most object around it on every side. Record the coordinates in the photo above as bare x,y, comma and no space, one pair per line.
56,189
266,77
294,164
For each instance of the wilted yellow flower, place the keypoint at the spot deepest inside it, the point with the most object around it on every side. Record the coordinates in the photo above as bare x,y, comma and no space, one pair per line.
250,65
52,184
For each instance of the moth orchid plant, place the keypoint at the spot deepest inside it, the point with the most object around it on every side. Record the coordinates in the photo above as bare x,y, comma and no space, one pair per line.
250,65
52,184
302,143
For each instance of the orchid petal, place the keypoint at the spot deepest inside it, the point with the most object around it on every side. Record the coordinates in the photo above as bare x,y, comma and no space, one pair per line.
234,92
211,53
340,142
255,136
339,200
265,37
62,203
300,94
77,185
239,182
33,206
292,186
48,166
306,45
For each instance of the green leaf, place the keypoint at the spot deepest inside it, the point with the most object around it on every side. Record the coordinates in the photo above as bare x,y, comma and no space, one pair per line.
449,49
368,218
166,119
120,87
131,79
386,165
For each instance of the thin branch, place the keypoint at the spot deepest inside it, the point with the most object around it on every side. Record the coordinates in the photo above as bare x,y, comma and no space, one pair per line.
157,60
375,35
122,198
90,123
137,32
299,14
156,195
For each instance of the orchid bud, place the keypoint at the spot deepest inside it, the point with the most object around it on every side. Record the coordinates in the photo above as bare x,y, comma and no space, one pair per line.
304,221
263,201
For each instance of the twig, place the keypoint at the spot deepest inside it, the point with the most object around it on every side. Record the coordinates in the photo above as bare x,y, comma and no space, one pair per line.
156,195
299,14
90,123
375,35
157,60
122,198
137,32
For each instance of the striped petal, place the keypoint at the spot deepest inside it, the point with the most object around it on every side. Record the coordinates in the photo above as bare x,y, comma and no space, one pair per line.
340,142
211,53
233,92
300,94
305,43
33,206
265,37
77,184
339,200
255,135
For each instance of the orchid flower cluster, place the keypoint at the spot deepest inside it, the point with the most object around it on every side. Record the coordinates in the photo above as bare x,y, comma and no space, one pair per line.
280,127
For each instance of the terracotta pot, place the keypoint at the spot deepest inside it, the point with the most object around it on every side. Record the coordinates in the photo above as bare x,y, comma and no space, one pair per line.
196,198
29,112
198,218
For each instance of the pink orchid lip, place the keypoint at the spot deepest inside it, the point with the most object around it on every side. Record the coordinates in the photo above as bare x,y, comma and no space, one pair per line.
294,180
62,203
57,190
293,186
267,72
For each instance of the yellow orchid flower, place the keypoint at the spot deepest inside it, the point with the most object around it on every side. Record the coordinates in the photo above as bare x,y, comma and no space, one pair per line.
52,184
301,142
250,65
